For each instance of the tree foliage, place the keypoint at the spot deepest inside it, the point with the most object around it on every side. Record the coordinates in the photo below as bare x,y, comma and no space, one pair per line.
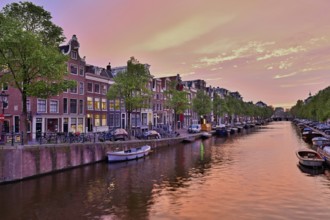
316,108
202,103
232,106
131,86
29,53
176,100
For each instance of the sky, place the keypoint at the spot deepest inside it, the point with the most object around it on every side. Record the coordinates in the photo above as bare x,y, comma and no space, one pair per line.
275,51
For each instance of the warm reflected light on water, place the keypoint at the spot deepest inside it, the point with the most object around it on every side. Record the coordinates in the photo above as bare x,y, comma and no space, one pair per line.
248,176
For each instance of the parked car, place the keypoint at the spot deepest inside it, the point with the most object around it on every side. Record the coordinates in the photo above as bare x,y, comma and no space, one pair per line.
151,134
194,128
118,134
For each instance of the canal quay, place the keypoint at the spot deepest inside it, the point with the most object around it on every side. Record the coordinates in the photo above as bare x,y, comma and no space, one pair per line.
250,175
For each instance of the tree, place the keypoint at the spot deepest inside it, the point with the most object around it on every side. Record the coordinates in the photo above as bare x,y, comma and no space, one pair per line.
131,86
29,54
202,103
176,100
315,108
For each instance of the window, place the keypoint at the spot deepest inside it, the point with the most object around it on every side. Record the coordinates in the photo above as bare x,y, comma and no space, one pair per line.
104,120
81,71
111,105
53,106
74,55
81,88
114,120
65,105
117,120
73,69
28,105
81,106
89,87
104,89
74,90
117,104
73,124
104,105
16,124
144,119
97,120
97,104
89,103
73,106
5,126
41,105
80,127
97,88
136,121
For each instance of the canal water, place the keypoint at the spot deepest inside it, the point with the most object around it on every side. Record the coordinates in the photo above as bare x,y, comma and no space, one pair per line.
253,175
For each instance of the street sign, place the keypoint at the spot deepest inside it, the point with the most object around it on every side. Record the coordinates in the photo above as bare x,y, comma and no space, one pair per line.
2,117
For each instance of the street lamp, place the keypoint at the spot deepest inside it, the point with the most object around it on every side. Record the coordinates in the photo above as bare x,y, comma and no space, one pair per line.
4,100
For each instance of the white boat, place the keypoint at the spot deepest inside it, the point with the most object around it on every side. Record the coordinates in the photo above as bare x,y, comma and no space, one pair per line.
309,157
205,134
131,154
324,151
319,141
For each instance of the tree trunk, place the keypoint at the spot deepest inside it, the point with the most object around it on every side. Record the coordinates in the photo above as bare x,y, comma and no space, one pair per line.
129,130
24,118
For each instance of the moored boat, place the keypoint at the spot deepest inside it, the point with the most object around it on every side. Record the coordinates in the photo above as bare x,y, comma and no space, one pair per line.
221,131
131,154
205,135
309,135
320,141
324,151
189,138
309,157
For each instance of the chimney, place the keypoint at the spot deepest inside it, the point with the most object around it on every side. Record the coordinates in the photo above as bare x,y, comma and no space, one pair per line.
109,66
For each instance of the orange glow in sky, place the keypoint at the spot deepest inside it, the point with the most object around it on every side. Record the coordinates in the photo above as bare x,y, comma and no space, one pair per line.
273,51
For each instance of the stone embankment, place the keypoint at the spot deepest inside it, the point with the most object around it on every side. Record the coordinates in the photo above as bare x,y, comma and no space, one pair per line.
21,162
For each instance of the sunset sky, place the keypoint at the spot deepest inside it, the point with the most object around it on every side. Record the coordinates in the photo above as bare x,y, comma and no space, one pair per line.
276,51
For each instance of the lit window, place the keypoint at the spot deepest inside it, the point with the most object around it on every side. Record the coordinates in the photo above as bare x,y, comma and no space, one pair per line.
97,104
89,103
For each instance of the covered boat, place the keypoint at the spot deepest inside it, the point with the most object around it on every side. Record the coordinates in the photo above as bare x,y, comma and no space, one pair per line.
324,151
309,157
131,154
319,141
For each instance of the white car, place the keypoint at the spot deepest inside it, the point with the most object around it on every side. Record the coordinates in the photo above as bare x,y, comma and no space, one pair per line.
194,128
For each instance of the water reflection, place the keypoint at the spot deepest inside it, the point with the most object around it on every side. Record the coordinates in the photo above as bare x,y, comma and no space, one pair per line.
310,171
251,175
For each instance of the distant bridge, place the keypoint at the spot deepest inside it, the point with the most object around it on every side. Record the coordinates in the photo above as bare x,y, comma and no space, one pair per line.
282,116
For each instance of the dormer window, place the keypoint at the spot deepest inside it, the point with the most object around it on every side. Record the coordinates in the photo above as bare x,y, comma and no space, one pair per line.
74,55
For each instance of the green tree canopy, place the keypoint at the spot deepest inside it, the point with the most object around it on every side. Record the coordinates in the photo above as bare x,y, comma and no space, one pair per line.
29,53
315,108
131,86
176,100
202,103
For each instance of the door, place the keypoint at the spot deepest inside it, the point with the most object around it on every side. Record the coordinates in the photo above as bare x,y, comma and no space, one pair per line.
38,127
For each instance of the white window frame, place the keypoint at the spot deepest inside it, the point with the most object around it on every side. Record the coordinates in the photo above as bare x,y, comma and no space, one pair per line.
55,104
38,105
